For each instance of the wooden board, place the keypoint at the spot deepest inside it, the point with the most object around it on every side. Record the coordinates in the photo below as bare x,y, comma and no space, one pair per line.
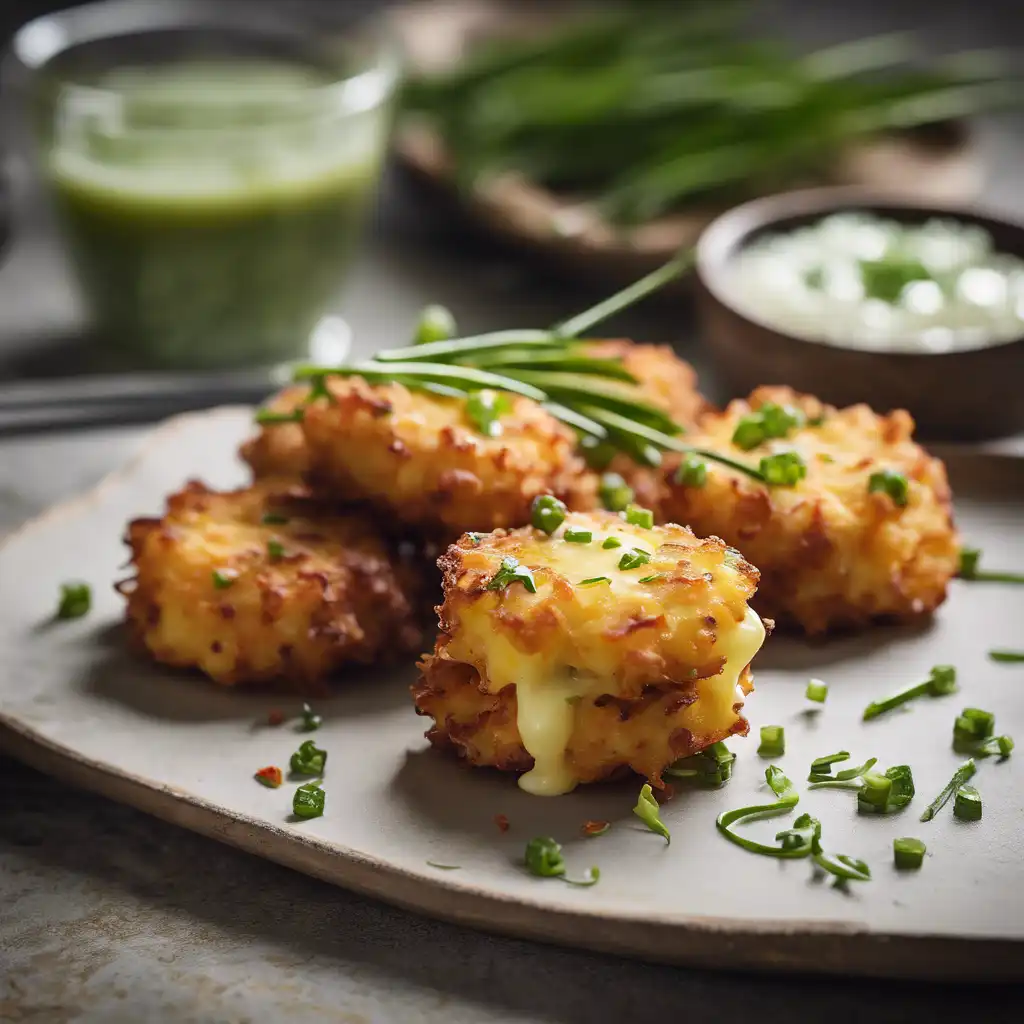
939,166
74,703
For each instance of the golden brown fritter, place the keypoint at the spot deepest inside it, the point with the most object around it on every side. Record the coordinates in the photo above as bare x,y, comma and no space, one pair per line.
602,668
832,553
418,457
279,449
219,588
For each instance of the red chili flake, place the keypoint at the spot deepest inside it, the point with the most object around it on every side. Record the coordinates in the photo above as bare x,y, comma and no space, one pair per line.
270,776
596,828
276,717
665,794
502,822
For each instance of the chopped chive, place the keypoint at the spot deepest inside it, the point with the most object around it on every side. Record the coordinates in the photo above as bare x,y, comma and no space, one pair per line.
309,800
1005,745
1007,657
309,721
309,759
816,691
454,348
960,776
544,859
648,812
512,572
795,842
892,483
650,579
875,790
773,741
768,422
842,867
436,323
591,580
275,550
970,559
574,536
967,804
75,600
267,417
597,453
908,853
692,471
611,542
443,867
823,765
547,513
785,469
848,778
749,433
940,682
485,408
223,578
711,767
633,559
274,519
614,492
637,516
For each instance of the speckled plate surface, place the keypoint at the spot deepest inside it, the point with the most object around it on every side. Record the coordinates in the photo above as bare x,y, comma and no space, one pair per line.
75,703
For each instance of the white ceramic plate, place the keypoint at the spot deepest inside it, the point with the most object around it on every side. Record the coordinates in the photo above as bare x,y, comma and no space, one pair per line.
75,703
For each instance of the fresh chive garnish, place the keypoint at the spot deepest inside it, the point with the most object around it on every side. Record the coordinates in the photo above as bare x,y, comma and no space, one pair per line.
791,845
611,542
443,867
692,471
784,469
309,720
223,578
960,776
749,433
970,560
590,581
574,536
773,741
452,349
271,776
940,682
846,779
274,519
633,559
890,482
309,759
650,579
568,360
615,493
512,572
484,410
1007,657
974,734
267,417
597,453
75,600
547,513
637,516
823,765
769,422
544,859
967,804
816,691
436,323
711,767
886,792
309,800
275,550
842,867
648,811
908,853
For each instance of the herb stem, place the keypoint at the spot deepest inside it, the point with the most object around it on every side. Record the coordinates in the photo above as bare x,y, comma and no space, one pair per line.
960,776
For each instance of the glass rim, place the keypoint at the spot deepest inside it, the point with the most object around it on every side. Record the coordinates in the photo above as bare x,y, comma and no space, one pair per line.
39,41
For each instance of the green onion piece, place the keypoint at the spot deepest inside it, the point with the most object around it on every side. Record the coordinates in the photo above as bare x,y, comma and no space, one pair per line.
442,867
614,492
749,433
611,542
816,691
223,578
692,471
597,453
1007,657
787,800
310,721
848,778
274,519
543,857
908,853
967,804
637,516
844,868
711,767
960,776
512,572
903,789
574,536
785,469
594,579
773,741
267,417
648,812
823,765
651,578
275,550
974,724
309,800
778,420
888,481
800,840
547,513
436,323
590,877
485,409
75,600
970,558
875,790
309,759
940,682
454,348
1005,745
633,559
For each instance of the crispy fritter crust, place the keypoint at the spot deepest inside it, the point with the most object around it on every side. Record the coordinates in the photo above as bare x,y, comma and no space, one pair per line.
649,652
279,449
831,554
417,456
337,594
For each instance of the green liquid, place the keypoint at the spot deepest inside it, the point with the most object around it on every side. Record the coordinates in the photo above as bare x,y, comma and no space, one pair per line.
211,212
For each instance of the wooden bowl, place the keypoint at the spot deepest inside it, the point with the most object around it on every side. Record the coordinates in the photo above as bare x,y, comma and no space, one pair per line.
968,395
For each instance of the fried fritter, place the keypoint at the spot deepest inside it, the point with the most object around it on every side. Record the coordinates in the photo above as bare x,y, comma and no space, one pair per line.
417,456
267,585
603,668
279,449
832,553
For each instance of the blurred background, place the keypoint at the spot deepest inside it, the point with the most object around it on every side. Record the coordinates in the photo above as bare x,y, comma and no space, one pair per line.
113,312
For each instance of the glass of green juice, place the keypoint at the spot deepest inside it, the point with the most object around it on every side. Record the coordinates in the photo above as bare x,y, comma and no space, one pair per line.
209,164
